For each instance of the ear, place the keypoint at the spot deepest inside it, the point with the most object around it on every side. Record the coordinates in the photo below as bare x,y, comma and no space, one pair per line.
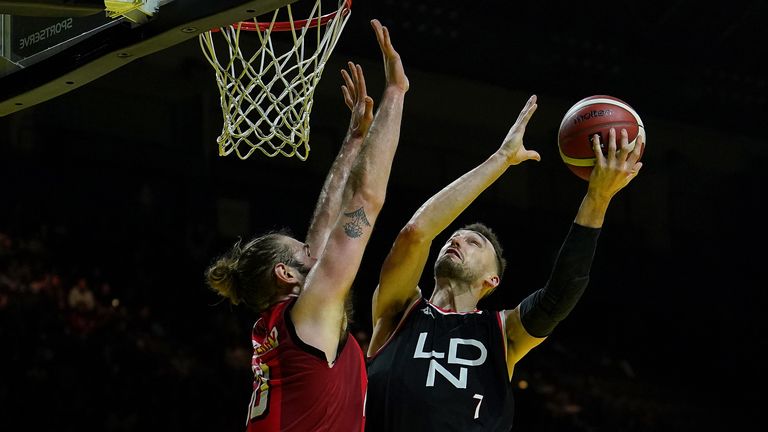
286,274
490,283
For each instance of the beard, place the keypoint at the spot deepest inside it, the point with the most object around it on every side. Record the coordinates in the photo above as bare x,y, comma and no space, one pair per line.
303,269
446,267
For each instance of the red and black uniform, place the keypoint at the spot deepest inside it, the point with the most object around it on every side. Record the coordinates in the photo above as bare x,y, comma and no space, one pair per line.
294,387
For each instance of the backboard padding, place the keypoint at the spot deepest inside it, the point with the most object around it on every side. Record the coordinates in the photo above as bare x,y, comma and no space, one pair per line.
83,55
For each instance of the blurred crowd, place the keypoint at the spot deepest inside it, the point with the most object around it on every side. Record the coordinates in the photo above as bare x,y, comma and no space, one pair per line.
81,353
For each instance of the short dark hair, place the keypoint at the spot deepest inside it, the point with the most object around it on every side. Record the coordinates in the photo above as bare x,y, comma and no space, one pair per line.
487,232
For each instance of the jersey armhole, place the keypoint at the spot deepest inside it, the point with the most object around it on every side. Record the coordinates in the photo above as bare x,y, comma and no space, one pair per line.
403,319
309,349
501,317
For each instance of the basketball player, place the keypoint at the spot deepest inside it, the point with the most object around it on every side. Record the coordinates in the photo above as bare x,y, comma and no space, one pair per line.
442,365
309,372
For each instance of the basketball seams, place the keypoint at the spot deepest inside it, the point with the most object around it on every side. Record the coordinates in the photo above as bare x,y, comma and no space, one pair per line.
602,125
579,162
584,118
585,103
590,161
610,101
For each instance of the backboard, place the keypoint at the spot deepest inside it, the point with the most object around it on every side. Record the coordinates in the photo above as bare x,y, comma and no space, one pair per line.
50,47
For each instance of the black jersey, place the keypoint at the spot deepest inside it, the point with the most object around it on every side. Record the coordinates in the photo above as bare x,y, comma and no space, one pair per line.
441,371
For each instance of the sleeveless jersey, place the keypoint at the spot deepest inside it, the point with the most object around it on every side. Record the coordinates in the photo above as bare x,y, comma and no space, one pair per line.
294,388
441,371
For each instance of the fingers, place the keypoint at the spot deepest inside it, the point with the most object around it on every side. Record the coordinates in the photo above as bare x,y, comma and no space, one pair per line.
523,117
347,97
348,89
354,89
625,149
382,36
376,24
530,108
617,168
512,146
347,79
353,73
634,156
368,105
531,101
533,154
526,111
625,152
611,144
379,30
393,67
361,90
599,157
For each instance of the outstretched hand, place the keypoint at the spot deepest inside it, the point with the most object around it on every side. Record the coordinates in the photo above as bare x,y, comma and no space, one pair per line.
393,66
512,147
357,99
616,169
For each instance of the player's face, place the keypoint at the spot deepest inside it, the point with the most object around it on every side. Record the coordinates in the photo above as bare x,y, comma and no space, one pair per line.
466,256
303,260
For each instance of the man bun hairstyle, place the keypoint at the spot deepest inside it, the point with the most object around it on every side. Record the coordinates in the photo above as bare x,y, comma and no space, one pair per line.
244,274
221,277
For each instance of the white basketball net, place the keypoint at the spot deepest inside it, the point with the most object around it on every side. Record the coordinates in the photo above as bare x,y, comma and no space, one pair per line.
266,96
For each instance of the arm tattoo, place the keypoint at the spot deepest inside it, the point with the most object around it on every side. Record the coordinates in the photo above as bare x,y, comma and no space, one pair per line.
354,228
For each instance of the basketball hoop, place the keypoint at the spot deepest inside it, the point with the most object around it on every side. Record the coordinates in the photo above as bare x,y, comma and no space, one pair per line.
266,96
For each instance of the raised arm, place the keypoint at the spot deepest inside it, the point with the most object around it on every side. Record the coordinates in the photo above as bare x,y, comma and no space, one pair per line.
329,203
319,311
612,173
538,314
403,266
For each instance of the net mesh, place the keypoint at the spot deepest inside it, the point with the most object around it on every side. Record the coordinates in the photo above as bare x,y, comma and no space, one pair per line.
267,80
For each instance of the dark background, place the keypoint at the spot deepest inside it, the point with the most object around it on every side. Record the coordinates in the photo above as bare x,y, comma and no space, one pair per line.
118,182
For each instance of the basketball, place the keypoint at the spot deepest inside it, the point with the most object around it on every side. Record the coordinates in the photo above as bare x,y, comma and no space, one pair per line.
595,115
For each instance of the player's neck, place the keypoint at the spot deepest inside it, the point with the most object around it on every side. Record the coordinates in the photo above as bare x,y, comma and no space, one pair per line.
454,296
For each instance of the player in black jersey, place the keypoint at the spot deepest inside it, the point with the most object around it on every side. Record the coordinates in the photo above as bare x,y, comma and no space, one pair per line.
442,365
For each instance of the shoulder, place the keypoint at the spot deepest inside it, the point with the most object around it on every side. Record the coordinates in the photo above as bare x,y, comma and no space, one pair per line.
277,310
382,337
274,316
511,319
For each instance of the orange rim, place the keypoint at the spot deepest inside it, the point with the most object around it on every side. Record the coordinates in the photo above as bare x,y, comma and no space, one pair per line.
280,26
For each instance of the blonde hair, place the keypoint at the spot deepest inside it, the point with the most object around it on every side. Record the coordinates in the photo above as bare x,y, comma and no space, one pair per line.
244,274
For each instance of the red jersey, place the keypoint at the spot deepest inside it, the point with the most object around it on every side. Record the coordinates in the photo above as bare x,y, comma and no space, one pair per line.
294,388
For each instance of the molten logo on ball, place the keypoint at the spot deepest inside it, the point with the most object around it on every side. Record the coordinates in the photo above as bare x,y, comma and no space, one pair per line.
594,115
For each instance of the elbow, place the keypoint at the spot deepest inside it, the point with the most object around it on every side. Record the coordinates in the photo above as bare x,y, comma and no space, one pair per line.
357,195
362,191
372,199
413,232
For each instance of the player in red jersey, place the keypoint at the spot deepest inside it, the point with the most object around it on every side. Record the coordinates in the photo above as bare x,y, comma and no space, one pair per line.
309,372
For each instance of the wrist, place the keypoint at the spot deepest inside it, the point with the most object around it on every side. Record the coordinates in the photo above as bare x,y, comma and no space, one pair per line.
506,157
394,90
355,135
598,197
592,211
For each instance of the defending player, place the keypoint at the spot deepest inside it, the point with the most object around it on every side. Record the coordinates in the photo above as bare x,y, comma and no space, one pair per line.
309,372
